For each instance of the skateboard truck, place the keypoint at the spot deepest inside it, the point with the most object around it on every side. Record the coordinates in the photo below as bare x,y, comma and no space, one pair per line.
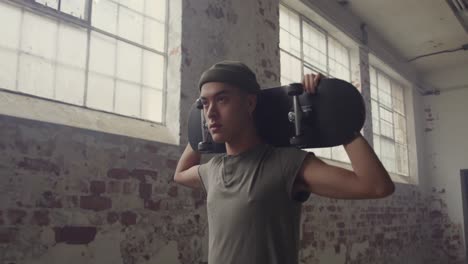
205,146
294,90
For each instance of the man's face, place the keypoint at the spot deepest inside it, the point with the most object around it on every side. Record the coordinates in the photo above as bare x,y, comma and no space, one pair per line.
227,110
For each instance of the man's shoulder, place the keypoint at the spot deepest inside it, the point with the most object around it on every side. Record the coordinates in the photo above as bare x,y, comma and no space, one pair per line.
288,150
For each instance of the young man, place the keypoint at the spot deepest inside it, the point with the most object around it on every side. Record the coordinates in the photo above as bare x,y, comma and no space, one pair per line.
255,191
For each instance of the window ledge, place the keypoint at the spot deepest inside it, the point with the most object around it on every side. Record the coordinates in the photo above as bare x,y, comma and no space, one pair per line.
28,107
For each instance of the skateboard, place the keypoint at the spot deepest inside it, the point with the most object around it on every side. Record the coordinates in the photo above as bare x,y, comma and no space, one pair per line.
288,116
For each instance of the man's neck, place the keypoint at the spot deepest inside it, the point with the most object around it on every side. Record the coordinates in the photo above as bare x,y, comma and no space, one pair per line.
242,144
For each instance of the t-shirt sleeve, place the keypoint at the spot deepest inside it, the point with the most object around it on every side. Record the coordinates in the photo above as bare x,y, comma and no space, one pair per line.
205,171
291,161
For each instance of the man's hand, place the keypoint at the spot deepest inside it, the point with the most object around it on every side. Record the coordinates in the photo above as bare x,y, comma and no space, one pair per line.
311,81
369,179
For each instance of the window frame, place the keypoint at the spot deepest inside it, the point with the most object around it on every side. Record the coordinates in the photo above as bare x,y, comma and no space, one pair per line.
86,24
304,63
393,140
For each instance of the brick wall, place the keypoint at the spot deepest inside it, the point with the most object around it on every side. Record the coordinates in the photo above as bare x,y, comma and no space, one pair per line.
106,198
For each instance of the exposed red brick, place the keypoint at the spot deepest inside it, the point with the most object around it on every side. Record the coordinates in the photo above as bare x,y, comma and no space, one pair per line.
114,187
7,235
128,218
39,165
145,190
70,201
41,217
435,214
129,187
97,187
75,235
140,174
95,203
49,200
152,205
171,164
83,186
437,233
337,249
16,216
173,191
119,174
112,217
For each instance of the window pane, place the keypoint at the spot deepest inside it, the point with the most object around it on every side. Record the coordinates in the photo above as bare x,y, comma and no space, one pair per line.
322,152
384,91
49,3
39,36
127,99
314,47
36,76
70,85
374,92
72,46
386,115
136,5
385,98
372,75
289,32
10,34
130,25
388,154
375,117
153,70
308,70
386,129
392,121
154,36
151,107
102,54
290,69
400,128
402,159
339,153
338,60
377,146
128,62
156,9
104,15
8,65
100,93
397,92
75,8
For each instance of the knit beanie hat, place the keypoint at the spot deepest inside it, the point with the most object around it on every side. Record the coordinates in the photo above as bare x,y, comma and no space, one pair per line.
232,72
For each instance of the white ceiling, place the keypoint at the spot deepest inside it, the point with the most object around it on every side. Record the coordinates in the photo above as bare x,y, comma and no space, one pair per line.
417,27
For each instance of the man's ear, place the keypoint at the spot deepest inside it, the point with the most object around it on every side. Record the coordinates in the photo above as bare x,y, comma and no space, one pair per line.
251,102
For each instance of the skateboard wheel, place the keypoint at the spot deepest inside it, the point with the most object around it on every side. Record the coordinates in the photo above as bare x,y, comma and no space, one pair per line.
204,147
295,89
291,117
298,141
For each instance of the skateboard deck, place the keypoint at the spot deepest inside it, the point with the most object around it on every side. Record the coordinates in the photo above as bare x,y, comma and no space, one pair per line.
287,116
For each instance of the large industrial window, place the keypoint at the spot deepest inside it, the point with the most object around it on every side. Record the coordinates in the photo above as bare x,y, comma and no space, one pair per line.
389,122
107,55
306,48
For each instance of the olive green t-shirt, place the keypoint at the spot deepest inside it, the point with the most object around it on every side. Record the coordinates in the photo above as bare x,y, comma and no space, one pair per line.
252,216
